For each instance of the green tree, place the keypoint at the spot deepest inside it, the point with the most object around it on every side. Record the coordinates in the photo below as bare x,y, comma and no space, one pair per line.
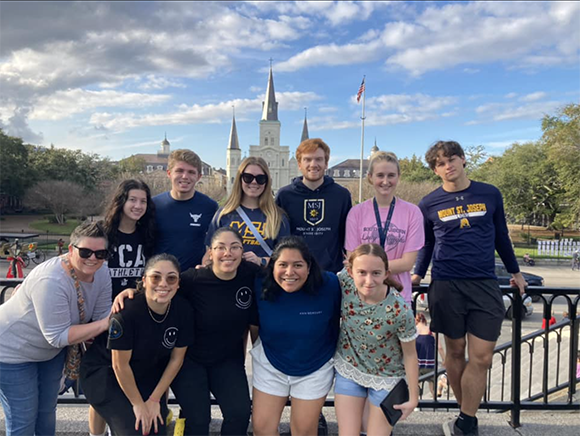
475,156
131,165
561,139
52,163
528,181
414,170
14,171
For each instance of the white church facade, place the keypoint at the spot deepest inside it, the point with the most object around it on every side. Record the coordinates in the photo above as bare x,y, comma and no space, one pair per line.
283,168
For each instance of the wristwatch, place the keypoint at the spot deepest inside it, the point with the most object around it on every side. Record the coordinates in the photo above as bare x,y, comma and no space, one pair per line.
263,261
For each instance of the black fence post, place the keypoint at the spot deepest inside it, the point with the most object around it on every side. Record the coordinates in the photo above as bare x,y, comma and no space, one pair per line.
516,358
574,352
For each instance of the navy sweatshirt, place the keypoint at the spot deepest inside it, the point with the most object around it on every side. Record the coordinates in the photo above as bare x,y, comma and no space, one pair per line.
462,231
319,216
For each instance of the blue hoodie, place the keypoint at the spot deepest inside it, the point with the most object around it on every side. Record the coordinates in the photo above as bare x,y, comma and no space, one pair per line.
319,216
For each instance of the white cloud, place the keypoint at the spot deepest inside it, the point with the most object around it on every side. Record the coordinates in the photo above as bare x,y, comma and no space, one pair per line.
198,114
63,104
529,109
540,34
153,82
331,54
534,96
392,109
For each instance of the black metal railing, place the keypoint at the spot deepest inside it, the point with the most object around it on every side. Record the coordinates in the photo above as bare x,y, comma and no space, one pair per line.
555,370
7,287
525,367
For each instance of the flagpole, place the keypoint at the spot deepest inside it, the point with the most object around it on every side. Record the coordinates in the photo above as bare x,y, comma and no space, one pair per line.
362,144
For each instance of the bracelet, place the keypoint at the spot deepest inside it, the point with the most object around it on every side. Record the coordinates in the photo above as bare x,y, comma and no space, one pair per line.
154,400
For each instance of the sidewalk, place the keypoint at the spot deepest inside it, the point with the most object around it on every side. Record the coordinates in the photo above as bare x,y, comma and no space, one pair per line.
72,421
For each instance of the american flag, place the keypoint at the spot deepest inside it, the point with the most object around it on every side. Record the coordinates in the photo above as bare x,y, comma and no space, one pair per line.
360,90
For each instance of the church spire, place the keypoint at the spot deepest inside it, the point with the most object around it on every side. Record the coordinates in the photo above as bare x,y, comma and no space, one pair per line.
304,128
234,144
270,105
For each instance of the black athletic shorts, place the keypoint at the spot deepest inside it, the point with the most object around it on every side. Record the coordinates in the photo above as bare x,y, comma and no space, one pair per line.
458,307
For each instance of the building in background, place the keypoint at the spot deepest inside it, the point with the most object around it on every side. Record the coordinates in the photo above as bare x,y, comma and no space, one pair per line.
349,170
158,162
283,168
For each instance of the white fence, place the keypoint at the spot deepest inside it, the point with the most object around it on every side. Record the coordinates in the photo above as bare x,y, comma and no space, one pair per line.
561,248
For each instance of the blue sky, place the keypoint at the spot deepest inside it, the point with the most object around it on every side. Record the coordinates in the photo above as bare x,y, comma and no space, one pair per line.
113,77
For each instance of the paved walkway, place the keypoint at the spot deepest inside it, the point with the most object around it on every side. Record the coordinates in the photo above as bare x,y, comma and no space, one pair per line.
72,421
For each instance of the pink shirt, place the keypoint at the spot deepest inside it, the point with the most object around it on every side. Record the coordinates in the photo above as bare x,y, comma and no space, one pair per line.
406,233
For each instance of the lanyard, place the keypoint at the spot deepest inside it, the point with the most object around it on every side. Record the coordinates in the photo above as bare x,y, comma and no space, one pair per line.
383,230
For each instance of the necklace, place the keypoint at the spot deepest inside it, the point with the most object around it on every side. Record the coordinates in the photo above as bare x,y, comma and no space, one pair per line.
164,317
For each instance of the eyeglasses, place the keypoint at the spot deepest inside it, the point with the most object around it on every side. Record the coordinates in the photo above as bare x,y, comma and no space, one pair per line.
248,178
233,249
156,279
86,253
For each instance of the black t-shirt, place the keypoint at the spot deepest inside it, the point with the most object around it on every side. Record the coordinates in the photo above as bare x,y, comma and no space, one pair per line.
151,341
223,311
127,263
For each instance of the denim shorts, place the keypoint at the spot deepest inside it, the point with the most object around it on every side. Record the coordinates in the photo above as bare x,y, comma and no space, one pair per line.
345,386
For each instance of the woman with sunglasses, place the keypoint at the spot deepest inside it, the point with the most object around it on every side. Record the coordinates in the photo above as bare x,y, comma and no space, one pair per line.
126,373
50,311
222,297
251,211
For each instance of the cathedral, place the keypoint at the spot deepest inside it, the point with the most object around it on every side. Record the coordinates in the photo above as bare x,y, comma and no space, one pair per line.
283,168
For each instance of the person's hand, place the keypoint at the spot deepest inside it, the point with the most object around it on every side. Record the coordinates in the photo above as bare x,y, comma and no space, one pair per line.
518,281
142,418
118,304
154,409
416,279
252,257
406,408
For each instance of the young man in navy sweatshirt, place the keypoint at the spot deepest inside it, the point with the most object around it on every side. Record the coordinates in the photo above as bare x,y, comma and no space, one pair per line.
464,226
317,206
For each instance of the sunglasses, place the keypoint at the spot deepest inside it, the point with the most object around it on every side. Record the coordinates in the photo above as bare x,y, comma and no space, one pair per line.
248,178
86,253
156,279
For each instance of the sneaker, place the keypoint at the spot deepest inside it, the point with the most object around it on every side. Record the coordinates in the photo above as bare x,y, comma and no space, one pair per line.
450,429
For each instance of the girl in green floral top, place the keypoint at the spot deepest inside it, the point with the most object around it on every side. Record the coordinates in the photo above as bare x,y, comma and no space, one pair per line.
376,346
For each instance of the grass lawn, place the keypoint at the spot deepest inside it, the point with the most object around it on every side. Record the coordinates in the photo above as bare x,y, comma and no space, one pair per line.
42,225
533,252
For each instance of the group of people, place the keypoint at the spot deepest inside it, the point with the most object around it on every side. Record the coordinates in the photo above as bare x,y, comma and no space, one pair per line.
323,289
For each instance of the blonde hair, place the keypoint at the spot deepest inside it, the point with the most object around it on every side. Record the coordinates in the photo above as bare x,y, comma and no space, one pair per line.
380,156
266,203
377,251
184,155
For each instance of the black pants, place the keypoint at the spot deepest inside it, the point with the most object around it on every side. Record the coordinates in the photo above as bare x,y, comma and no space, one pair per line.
227,381
106,396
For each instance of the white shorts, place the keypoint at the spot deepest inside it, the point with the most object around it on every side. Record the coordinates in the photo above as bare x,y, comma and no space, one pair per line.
269,380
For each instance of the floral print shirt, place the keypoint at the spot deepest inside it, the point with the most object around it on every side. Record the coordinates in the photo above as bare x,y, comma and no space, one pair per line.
369,350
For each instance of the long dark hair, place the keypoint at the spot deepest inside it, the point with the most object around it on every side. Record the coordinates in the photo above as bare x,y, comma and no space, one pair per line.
114,210
315,278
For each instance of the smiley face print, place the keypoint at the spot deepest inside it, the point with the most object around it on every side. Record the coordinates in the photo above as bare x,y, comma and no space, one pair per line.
170,337
244,298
